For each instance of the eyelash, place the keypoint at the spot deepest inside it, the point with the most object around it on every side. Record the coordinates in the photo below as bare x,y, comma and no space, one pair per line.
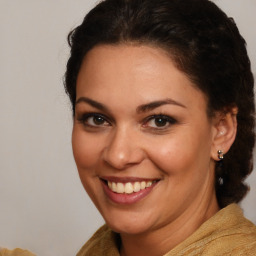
162,117
83,119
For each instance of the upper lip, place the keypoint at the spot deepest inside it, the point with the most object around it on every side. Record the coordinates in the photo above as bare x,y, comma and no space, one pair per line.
127,179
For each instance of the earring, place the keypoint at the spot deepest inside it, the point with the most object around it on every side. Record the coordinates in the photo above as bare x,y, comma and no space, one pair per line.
220,154
221,132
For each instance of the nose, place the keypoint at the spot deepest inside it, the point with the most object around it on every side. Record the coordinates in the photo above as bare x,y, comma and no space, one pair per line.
123,150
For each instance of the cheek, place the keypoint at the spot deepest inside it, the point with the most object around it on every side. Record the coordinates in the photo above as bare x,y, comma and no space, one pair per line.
86,150
171,157
181,153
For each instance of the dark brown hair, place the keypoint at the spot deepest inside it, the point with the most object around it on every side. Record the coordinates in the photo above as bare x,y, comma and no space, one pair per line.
204,43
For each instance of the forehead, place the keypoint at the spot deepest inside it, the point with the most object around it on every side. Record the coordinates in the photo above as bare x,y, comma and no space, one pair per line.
145,73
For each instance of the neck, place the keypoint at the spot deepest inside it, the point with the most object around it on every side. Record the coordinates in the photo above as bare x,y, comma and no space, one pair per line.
162,240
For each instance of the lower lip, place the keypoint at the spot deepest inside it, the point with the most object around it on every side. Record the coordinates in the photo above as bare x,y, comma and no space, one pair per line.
127,198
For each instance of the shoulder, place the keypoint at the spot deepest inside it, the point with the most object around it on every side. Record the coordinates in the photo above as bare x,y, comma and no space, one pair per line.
228,232
15,252
231,245
235,234
242,242
103,242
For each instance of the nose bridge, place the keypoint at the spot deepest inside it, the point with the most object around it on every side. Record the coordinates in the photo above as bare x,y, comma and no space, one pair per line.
123,149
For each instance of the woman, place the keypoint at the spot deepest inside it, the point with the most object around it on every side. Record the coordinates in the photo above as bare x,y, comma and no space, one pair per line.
163,105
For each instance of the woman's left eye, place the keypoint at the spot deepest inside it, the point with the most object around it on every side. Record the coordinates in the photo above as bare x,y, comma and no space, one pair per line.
159,122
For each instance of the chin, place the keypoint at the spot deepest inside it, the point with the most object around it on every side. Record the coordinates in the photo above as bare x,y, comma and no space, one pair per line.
130,223
128,228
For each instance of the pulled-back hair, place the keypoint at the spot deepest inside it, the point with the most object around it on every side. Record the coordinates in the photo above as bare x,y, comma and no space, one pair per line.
204,44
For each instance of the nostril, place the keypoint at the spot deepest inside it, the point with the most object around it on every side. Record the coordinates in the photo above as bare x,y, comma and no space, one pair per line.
122,157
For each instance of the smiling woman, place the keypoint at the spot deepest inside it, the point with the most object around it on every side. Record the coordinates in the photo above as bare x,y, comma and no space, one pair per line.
146,137
163,105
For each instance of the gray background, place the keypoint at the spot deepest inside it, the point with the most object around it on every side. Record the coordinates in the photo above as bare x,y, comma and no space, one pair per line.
43,206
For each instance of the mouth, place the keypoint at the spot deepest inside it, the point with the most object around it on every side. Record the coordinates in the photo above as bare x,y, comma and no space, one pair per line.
127,190
129,187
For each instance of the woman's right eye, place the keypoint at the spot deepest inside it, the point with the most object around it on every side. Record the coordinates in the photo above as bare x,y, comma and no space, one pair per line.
93,120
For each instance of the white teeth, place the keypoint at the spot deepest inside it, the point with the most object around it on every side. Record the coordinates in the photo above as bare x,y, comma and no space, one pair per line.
114,187
148,184
142,185
120,188
136,187
129,188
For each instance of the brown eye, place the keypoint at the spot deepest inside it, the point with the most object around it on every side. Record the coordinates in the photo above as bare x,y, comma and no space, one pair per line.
93,120
160,122
98,120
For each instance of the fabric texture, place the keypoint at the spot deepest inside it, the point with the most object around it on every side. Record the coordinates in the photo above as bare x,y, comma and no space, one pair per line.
15,252
228,232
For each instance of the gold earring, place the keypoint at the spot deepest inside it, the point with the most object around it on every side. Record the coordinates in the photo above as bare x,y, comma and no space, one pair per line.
220,154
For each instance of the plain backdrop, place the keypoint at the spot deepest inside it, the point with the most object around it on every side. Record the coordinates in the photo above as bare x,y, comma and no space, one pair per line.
43,206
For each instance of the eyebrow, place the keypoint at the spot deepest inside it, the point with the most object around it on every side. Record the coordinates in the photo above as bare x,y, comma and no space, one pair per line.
155,104
140,109
93,103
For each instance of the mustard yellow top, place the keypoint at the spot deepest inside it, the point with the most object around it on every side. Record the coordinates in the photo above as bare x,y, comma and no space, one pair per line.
228,232
15,252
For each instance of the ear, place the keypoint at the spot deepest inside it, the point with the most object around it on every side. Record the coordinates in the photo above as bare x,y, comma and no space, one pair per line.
225,129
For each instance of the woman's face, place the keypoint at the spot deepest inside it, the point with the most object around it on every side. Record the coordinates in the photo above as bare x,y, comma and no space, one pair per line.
142,140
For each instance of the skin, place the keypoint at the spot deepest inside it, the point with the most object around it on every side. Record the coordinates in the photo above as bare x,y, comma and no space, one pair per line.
125,142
